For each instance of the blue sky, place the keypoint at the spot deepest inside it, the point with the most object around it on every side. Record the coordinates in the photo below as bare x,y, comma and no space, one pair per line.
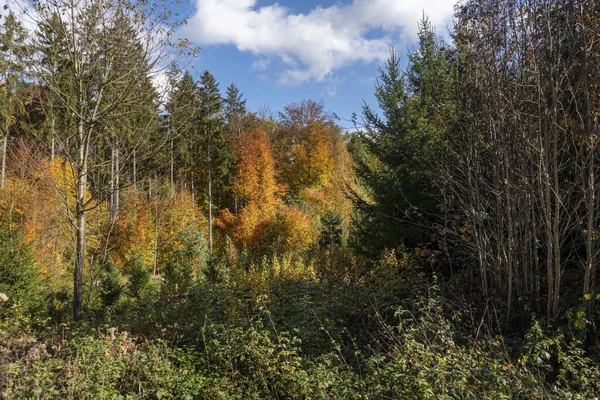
282,52
286,51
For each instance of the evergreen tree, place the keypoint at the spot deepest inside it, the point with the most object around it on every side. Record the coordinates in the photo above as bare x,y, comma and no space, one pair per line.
234,104
214,147
184,117
129,128
19,279
396,152
13,51
50,41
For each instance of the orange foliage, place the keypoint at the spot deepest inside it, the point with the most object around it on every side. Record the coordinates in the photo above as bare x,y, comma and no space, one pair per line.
257,183
263,219
257,189
134,231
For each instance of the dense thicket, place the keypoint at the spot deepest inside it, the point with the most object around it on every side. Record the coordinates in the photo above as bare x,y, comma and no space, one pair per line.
163,241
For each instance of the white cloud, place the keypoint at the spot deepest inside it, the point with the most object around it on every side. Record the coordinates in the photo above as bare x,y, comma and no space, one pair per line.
261,64
313,45
162,83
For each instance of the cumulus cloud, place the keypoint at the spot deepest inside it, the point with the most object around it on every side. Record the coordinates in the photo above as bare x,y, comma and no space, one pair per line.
314,44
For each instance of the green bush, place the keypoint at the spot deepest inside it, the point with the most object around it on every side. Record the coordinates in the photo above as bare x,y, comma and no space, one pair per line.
111,287
139,277
186,260
19,279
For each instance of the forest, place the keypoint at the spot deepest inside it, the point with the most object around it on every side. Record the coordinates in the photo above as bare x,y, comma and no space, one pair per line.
163,241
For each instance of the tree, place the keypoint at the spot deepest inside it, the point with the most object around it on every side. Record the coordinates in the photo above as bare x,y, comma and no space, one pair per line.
13,52
257,189
184,123
315,165
18,277
214,147
234,106
380,154
102,83
396,152
51,41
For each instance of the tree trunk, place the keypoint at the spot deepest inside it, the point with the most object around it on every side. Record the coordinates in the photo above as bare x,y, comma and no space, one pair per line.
80,213
172,180
192,186
114,184
53,133
155,266
134,168
4,148
590,127
210,241
117,183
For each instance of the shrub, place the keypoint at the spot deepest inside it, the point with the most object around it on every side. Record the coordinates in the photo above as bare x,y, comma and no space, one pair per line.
111,287
19,279
185,261
139,277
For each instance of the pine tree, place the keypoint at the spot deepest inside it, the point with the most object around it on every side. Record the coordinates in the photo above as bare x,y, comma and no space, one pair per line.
184,118
234,105
396,151
214,147
13,51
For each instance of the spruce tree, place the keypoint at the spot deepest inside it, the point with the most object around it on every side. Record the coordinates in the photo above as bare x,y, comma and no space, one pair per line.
13,51
184,116
214,147
234,104
396,151
51,39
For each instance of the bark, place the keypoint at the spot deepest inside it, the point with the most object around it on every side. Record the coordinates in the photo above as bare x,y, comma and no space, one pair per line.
4,149
80,212
171,168
134,167
210,221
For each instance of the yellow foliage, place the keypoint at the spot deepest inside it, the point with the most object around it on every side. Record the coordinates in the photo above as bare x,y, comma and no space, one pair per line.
311,157
170,217
42,200
134,231
292,230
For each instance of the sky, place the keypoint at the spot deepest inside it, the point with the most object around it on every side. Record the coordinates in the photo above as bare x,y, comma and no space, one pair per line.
282,52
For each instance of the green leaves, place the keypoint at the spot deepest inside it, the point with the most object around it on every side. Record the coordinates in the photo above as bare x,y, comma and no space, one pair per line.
397,154
19,279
